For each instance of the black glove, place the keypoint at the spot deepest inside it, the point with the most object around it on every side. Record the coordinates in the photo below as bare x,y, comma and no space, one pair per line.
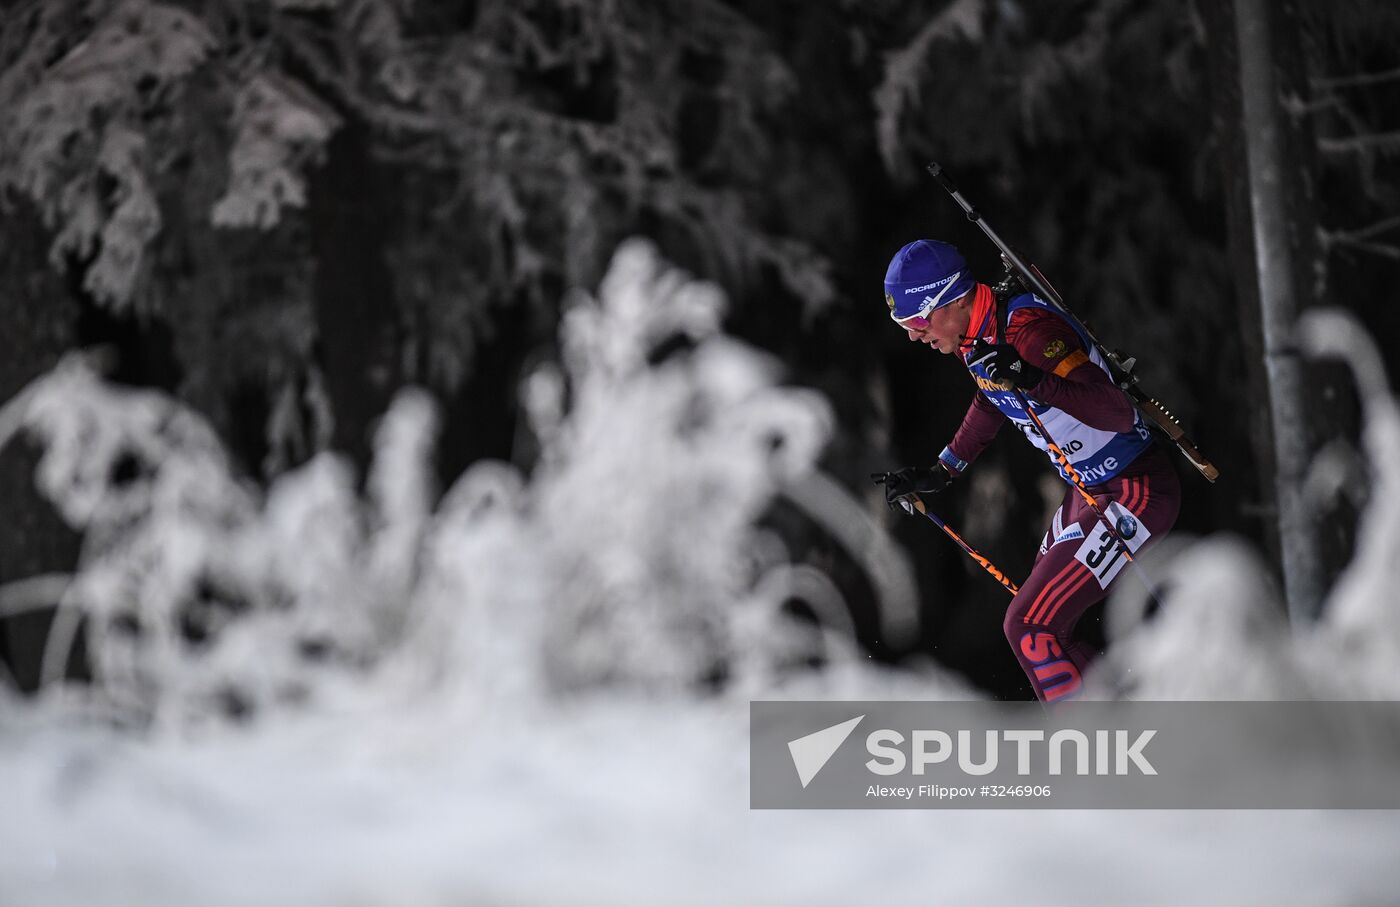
912,480
1004,365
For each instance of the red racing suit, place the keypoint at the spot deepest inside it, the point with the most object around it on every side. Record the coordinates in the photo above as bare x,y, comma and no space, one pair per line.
1129,475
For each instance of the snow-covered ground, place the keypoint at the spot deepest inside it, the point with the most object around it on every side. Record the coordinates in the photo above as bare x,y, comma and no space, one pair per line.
614,802
501,697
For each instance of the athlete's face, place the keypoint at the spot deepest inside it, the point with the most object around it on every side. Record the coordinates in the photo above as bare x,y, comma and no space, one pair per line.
942,328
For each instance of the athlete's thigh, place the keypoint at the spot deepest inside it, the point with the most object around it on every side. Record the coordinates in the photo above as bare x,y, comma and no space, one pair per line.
1057,576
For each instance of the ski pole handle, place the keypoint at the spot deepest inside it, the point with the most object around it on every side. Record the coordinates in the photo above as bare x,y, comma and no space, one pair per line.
879,478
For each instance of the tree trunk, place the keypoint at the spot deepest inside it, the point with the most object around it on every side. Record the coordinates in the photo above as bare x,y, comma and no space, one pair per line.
357,329
38,317
1281,227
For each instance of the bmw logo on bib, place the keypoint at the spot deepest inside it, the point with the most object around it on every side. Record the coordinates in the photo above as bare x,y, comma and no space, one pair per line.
1127,526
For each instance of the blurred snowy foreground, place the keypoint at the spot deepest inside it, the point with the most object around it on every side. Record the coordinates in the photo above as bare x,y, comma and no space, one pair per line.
535,689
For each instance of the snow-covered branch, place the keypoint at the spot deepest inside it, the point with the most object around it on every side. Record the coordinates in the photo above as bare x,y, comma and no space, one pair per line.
1384,141
1357,80
1361,238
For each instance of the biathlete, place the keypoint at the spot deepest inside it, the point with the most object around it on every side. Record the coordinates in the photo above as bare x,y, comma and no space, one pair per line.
1023,347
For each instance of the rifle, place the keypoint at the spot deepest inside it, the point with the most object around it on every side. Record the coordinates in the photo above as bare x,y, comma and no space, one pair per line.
1120,368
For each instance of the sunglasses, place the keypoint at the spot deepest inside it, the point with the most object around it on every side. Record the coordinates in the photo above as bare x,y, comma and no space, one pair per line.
914,322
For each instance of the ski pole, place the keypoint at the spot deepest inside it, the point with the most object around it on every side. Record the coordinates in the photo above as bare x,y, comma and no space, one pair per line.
986,564
1078,482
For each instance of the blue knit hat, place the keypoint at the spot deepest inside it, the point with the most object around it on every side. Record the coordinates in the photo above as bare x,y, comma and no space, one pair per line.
923,276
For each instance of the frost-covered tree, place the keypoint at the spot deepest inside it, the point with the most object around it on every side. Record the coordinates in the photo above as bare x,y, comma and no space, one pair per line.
298,206
634,555
505,146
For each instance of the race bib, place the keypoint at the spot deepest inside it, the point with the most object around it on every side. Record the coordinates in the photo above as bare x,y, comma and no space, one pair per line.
1101,553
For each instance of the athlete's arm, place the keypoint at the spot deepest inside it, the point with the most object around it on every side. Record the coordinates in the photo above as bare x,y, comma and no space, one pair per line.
978,428
1071,383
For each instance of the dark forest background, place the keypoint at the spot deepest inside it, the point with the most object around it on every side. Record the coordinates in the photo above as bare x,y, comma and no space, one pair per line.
283,211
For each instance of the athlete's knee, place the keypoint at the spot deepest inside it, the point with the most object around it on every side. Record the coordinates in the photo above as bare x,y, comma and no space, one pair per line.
1014,623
